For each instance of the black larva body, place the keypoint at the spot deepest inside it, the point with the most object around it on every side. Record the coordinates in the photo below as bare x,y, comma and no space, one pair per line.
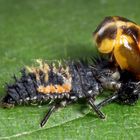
87,82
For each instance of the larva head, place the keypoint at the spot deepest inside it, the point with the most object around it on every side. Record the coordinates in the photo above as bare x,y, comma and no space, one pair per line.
107,74
109,78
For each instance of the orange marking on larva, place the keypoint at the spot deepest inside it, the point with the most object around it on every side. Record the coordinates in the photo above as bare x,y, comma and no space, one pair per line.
47,89
40,89
67,87
54,89
60,89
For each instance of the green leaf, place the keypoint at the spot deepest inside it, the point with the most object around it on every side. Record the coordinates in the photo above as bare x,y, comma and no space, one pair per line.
52,29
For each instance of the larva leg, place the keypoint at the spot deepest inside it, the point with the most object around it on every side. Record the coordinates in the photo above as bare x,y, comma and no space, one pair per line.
45,119
95,108
54,107
107,101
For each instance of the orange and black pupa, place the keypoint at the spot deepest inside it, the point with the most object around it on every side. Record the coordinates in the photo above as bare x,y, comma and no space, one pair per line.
63,85
120,38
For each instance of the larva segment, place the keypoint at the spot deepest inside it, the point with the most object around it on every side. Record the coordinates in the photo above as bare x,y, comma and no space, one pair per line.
59,89
49,71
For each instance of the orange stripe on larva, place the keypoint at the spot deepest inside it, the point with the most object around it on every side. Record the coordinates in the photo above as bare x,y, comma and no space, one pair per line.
67,87
54,89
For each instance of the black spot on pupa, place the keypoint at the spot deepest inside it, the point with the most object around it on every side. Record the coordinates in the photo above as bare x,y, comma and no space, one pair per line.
124,19
103,23
132,31
109,33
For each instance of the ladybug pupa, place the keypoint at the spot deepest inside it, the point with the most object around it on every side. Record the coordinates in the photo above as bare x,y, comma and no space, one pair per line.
120,38
62,85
